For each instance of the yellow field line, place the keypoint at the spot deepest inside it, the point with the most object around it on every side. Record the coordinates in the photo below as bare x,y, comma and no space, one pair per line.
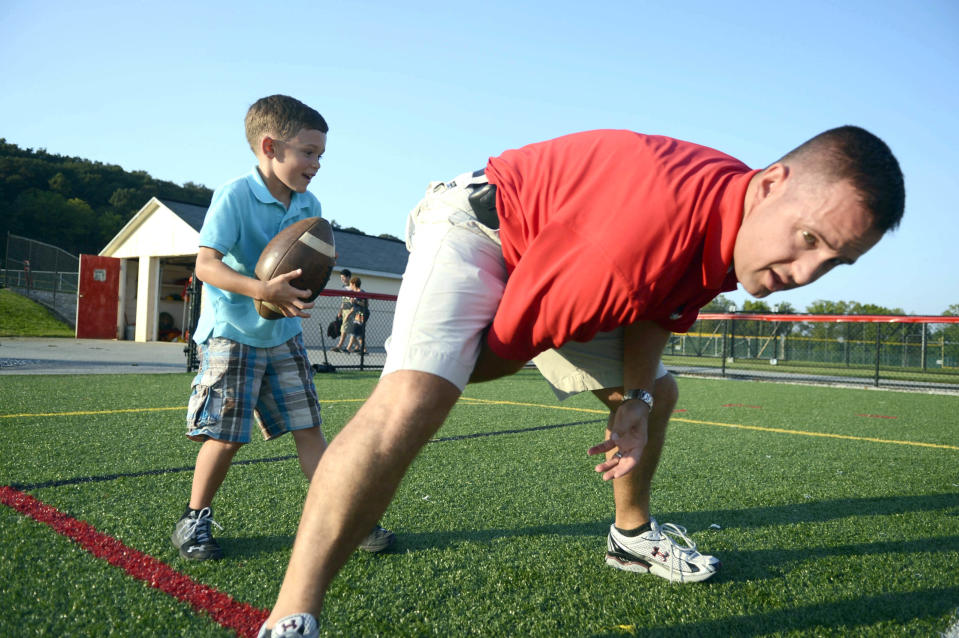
738,426
475,401
128,410
820,434
89,412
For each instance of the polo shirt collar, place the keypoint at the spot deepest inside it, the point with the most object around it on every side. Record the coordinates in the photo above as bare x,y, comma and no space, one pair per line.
263,194
722,230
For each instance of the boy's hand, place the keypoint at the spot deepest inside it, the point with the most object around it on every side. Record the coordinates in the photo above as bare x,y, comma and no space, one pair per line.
287,299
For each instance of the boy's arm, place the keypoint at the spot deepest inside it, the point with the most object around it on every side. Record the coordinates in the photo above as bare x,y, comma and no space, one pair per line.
278,291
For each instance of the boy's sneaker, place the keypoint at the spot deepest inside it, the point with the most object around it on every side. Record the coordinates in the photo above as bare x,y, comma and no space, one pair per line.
656,552
295,626
193,538
378,540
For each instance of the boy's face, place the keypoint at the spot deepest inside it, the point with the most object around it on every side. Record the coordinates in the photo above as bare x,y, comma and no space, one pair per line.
292,163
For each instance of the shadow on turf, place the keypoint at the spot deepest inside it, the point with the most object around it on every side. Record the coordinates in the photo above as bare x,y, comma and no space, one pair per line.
900,608
241,547
698,522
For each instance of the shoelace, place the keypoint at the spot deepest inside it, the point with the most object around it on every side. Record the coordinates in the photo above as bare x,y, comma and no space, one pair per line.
670,532
200,526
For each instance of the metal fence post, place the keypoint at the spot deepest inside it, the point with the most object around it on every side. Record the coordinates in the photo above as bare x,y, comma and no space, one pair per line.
922,353
878,346
725,326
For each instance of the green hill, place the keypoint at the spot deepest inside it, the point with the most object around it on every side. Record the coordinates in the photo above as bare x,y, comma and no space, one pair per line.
74,203
22,317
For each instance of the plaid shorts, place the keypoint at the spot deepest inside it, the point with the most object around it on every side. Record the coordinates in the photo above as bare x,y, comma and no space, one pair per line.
237,384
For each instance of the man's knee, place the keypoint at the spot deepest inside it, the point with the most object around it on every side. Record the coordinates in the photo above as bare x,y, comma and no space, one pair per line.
666,392
410,403
490,366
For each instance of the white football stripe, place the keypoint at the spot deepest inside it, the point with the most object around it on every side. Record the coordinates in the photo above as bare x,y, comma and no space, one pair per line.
318,245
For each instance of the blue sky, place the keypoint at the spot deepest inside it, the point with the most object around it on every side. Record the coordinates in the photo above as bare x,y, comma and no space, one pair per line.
417,91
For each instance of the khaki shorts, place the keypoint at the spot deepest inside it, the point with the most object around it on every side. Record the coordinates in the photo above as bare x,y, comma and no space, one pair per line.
452,286
583,367
453,283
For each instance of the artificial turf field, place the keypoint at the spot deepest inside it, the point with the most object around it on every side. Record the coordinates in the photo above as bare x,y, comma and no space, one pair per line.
837,508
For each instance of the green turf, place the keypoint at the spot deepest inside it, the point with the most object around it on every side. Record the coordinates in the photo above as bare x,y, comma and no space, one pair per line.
503,535
23,317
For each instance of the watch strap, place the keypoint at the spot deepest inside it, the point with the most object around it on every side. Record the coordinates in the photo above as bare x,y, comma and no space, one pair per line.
639,394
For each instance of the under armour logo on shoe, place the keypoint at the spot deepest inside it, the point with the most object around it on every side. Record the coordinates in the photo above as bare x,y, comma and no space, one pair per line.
660,555
291,624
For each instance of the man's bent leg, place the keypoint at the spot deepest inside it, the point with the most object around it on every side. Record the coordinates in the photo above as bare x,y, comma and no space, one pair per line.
490,366
631,492
356,479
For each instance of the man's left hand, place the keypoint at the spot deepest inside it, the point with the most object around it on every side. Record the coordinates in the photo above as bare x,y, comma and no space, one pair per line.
627,436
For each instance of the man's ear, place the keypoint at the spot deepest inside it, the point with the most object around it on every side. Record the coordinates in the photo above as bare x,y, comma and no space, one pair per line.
773,179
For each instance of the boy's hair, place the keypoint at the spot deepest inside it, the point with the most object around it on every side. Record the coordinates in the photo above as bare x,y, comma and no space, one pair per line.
282,117
854,154
346,273
356,281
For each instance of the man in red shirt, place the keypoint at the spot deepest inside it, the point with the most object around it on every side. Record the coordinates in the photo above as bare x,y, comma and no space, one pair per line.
584,253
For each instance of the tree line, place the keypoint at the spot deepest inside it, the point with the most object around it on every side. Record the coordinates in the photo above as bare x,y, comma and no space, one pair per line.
845,332
74,203
77,204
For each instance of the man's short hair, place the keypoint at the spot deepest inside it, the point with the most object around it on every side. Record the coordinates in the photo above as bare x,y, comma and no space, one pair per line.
346,273
854,154
356,281
282,117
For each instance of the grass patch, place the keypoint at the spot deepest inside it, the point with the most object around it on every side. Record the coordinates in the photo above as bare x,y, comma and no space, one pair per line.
504,534
23,317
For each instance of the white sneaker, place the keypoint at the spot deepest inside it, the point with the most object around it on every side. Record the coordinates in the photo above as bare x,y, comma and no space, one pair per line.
295,626
656,552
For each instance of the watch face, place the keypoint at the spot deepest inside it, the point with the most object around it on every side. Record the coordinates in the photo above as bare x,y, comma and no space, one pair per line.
641,395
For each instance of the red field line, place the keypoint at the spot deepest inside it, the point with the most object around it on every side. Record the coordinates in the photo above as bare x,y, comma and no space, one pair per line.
243,618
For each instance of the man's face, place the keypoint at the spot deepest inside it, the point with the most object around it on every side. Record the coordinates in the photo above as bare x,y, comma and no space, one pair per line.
792,234
344,280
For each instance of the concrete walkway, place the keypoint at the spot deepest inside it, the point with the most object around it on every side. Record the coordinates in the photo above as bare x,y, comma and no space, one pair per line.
29,355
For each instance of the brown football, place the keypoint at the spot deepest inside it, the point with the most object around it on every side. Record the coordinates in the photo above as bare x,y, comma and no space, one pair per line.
306,244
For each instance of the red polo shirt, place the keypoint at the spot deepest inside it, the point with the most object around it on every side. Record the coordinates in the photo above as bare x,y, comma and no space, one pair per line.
604,228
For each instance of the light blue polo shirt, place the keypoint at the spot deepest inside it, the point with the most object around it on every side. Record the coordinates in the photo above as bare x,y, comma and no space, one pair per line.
243,217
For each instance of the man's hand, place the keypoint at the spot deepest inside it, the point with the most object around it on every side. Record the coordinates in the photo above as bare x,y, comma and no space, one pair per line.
627,436
285,297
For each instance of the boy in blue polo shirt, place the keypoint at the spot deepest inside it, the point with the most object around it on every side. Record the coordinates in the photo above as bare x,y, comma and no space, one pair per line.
254,369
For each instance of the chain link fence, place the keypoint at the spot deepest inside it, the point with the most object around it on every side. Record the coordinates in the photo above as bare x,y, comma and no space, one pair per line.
890,351
883,351
319,344
44,273
360,348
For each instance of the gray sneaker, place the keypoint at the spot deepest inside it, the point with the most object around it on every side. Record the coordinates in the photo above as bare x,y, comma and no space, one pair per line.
378,540
192,536
295,626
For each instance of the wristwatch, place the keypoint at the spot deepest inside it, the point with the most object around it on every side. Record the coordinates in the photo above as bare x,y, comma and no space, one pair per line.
642,395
